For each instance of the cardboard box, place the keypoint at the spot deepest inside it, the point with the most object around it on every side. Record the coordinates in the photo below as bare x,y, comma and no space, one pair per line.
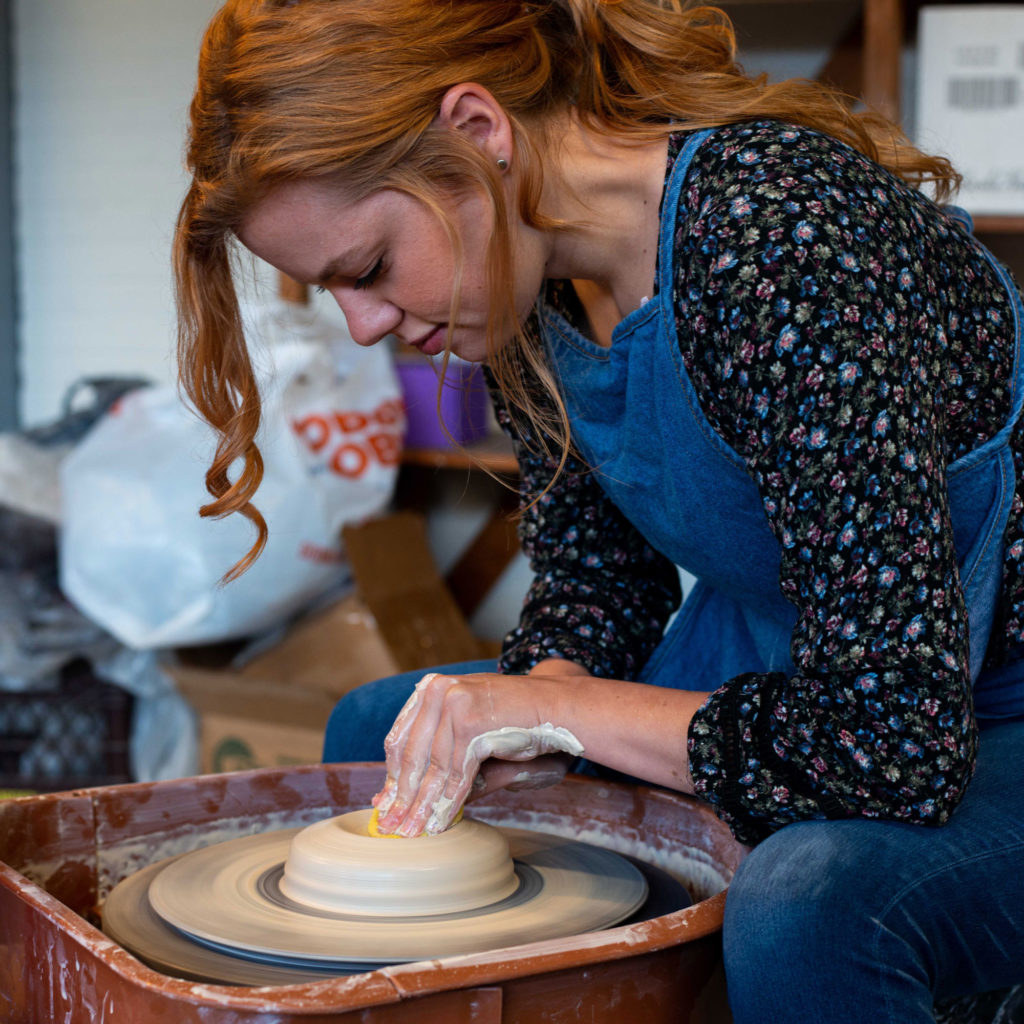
271,709
397,577
259,738
970,99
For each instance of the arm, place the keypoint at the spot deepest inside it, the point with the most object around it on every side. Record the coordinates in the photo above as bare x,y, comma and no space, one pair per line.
452,725
815,359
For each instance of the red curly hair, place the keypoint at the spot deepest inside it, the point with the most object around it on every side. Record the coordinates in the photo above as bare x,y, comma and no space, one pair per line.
291,89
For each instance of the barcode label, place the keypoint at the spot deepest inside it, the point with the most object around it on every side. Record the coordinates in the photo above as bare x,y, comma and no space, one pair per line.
983,93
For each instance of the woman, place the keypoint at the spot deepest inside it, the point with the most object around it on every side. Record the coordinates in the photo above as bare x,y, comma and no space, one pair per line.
727,332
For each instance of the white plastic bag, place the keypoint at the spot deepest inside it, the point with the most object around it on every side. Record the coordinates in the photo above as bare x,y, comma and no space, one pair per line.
165,733
136,557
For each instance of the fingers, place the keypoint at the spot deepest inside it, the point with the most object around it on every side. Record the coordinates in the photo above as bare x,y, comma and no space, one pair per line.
435,799
395,742
421,759
449,727
409,718
423,803
539,773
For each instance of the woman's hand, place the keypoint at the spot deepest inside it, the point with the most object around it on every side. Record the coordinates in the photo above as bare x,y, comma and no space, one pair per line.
459,736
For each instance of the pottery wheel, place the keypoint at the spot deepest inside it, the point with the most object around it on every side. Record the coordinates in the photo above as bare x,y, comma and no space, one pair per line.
287,906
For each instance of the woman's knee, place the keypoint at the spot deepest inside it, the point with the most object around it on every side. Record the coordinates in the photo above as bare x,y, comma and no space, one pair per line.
362,718
782,901
803,937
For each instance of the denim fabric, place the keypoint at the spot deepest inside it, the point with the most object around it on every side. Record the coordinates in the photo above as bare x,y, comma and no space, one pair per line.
362,718
637,420
845,921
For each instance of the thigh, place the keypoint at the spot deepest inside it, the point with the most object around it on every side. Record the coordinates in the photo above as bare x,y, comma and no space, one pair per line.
363,717
866,920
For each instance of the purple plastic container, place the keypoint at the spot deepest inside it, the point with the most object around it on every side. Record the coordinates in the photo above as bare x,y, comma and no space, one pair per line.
463,408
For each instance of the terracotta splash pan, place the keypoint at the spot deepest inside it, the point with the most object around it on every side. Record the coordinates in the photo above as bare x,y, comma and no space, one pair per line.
61,853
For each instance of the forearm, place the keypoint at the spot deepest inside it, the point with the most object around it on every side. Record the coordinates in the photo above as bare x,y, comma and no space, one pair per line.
455,727
633,728
799,759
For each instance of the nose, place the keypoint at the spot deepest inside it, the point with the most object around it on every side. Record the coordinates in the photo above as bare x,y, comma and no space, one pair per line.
369,317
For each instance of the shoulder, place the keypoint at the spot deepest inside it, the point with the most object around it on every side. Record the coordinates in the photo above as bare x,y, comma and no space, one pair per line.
773,175
773,155
785,240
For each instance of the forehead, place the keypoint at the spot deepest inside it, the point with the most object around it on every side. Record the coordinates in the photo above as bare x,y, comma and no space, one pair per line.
308,212
303,227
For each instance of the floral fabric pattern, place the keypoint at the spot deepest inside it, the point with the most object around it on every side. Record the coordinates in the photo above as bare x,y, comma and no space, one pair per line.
849,340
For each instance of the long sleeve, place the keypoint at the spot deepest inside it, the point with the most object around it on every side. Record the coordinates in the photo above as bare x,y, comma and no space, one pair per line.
849,344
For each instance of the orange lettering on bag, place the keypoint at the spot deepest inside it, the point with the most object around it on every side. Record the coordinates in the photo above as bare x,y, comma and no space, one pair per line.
314,431
349,460
387,448
349,422
389,412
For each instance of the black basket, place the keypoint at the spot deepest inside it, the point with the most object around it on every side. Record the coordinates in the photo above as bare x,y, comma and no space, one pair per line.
73,736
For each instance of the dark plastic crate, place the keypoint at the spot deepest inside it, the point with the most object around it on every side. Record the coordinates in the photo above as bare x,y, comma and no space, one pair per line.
75,735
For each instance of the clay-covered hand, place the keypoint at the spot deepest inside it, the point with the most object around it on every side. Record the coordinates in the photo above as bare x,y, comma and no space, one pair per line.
449,728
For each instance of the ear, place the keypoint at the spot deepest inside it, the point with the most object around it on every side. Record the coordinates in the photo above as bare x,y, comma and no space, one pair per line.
470,108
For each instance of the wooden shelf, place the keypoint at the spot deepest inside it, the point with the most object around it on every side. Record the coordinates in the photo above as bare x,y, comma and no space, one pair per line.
493,453
999,224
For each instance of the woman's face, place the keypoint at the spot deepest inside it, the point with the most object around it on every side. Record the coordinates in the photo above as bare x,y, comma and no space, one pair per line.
388,263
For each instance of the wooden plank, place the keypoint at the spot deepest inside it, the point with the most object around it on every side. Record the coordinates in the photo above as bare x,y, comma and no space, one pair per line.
883,46
291,290
999,224
493,453
844,69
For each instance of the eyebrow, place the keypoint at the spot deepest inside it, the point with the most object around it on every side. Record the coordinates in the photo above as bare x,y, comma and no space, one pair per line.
345,264
332,269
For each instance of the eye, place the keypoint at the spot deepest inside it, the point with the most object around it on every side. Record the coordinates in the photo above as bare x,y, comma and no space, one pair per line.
320,289
368,278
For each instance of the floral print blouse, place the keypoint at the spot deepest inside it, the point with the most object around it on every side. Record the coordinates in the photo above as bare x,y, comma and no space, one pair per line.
848,341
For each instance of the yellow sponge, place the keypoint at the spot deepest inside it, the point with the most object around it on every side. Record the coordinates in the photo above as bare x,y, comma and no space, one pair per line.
373,829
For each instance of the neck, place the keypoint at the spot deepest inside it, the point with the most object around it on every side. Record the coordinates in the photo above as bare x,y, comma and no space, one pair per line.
609,192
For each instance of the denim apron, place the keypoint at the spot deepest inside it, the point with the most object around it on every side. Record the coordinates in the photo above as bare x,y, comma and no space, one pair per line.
636,419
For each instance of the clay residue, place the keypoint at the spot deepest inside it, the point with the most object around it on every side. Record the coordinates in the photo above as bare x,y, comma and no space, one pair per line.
509,743
115,863
696,869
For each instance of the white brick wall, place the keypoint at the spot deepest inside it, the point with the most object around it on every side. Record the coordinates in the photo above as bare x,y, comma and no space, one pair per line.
101,94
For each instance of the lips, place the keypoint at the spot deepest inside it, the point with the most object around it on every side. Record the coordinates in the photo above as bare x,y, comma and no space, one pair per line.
432,342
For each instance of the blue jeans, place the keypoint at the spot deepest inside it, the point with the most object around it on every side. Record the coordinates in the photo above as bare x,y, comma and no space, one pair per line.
870,921
363,717
830,922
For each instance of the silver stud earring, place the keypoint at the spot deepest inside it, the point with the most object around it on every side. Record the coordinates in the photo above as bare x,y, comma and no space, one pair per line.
502,164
